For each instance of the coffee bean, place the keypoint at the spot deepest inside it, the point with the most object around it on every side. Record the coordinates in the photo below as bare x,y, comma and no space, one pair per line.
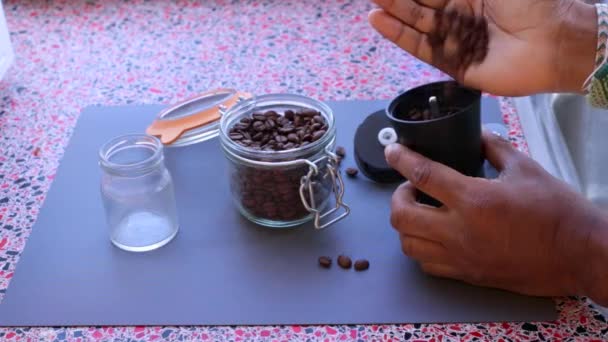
241,126
469,33
351,171
325,261
286,130
281,139
426,114
257,136
259,116
293,137
308,112
236,136
344,262
265,139
317,135
289,146
361,265
341,151
271,114
289,114
259,126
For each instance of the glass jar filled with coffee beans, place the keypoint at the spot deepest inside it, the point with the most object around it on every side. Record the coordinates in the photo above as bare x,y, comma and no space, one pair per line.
282,168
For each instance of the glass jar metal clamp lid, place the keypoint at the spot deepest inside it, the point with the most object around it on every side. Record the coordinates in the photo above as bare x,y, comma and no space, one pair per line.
271,187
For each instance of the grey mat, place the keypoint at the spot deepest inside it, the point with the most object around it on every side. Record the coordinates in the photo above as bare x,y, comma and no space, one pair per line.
220,269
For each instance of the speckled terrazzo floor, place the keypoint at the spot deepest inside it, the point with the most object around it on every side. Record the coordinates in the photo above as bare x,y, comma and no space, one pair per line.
70,54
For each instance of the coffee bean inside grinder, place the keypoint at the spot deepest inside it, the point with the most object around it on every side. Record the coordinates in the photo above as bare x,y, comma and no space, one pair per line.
432,112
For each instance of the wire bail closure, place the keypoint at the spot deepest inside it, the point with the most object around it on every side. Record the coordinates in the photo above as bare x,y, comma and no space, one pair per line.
306,184
337,182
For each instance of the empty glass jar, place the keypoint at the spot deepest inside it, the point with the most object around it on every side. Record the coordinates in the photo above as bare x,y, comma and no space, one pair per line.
137,192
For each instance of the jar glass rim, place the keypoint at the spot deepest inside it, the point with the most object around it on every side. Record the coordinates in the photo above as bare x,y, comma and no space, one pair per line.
278,99
131,141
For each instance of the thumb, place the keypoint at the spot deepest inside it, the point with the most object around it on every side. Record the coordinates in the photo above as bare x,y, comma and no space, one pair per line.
435,179
499,151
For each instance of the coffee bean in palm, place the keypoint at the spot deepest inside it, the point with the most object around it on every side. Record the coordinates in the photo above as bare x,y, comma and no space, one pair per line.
344,262
361,265
325,261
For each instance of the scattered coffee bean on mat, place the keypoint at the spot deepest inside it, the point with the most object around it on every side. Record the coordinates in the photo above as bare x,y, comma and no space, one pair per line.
270,131
341,151
361,265
351,171
344,262
325,261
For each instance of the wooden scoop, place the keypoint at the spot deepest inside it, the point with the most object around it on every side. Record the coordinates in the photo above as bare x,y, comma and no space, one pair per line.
169,130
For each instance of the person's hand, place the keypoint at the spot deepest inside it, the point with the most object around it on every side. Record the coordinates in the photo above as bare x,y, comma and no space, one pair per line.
525,231
534,45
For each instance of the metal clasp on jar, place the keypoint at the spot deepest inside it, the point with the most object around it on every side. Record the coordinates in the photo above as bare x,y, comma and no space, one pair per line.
337,188
307,184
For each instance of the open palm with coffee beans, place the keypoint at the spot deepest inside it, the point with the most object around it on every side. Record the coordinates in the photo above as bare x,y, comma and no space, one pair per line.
508,48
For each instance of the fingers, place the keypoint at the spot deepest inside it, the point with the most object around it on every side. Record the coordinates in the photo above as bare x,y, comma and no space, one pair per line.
411,13
437,180
499,151
441,270
413,219
436,4
424,251
404,36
